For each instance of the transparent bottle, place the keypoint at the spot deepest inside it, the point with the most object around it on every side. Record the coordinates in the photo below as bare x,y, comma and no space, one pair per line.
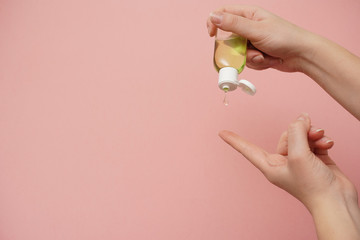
230,60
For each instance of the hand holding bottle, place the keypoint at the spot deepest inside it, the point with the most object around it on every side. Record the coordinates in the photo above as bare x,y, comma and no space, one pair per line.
278,43
282,45
303,168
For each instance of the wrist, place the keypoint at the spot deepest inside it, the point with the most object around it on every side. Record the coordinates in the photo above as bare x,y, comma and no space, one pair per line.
336,217
310,45
344,194
341,203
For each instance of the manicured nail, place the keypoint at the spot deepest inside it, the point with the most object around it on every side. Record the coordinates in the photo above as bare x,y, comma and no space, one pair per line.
316,130
216,17
258,59
327,140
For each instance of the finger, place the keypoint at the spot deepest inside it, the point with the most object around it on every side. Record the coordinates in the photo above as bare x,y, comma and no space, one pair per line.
211,27
298,145
256,155
283,144
234,23
260,61
316,140
316,133
253,53
323,143
319,151
249,12
241,10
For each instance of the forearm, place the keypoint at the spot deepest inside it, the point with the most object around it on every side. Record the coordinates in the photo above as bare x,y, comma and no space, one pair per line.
337,220
335,69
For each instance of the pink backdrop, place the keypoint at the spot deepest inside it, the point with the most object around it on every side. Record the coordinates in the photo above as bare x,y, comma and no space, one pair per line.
109,114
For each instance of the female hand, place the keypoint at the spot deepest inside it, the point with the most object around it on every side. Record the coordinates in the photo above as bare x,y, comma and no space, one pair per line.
303,168
301,165
276,42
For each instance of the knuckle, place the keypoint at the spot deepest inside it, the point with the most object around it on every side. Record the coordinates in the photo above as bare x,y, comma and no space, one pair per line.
233,21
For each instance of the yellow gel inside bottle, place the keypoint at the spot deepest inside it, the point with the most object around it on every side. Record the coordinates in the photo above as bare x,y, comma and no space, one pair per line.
230,52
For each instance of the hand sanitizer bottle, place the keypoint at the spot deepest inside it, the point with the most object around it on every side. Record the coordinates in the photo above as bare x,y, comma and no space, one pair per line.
230,60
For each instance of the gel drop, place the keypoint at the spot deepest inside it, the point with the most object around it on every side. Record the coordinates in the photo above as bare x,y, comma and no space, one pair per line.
226,101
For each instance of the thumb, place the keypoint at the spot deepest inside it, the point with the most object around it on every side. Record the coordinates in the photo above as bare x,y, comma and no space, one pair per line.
256,155
233,23
298,145
260,61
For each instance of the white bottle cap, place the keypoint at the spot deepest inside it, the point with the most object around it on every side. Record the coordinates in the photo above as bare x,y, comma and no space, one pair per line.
228,81
247,87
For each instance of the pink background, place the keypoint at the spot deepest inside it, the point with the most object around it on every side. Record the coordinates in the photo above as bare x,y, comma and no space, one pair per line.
109,114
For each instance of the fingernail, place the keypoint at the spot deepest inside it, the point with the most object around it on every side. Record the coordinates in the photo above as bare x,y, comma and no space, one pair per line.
326,140
319,130
258,59
316,130
301,118
216,17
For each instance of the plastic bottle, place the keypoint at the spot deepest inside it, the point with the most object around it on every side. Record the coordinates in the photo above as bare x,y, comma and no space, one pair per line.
230,60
